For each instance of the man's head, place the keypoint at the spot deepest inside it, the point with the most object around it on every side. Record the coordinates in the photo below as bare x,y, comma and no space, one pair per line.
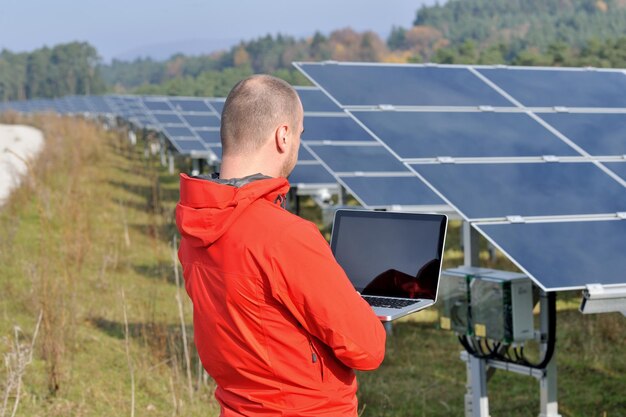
262,119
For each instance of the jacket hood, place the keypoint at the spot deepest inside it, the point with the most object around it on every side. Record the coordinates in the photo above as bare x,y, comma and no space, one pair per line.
207,208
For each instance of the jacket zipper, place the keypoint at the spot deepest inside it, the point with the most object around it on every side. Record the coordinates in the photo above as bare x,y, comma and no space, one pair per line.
316,358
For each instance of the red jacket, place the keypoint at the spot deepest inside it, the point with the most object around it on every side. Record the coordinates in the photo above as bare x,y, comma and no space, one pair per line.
277,324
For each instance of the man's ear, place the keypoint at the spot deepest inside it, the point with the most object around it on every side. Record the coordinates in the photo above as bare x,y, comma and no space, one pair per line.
281,138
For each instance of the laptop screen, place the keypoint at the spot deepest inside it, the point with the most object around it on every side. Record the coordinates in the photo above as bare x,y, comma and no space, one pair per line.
389,253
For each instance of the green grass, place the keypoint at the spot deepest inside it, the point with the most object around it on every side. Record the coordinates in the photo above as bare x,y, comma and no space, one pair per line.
65,251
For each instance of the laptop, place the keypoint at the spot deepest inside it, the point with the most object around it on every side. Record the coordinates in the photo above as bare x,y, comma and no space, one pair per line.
393,259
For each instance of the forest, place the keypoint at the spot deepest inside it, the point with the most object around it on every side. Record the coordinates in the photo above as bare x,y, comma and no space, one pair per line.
513,32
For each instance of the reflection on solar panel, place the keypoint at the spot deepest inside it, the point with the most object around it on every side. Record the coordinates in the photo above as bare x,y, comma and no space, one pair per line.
385,192
401,85
561,87
526,189
565,255
463,134
596,133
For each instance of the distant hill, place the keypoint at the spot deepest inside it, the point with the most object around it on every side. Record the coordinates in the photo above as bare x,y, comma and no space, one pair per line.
525,23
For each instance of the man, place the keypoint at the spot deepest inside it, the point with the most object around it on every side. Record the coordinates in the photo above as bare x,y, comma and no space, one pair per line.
277,324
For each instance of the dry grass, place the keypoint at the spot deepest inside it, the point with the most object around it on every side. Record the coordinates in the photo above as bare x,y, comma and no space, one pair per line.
93,220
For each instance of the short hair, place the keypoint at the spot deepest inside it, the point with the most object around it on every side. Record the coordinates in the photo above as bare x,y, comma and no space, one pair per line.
253,108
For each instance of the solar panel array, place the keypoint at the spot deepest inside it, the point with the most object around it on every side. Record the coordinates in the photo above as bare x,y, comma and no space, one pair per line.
534,158
335,148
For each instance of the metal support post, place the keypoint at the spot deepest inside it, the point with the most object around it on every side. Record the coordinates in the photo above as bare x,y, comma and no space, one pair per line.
170,162
470,245
388,327
162,151
341,197
477,389
549,406
476,400
195,167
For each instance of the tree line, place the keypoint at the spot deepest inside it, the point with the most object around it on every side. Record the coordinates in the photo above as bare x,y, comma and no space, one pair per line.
513,32
64,69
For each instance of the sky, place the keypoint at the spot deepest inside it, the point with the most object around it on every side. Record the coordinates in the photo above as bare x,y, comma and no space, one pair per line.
130,28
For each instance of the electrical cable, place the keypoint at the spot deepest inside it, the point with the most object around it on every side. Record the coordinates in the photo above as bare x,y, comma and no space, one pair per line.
551,337
475,348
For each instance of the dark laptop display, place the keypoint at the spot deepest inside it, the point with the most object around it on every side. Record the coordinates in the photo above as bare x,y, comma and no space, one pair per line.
390,254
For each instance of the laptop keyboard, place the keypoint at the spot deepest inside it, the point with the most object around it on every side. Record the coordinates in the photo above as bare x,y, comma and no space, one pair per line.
387,302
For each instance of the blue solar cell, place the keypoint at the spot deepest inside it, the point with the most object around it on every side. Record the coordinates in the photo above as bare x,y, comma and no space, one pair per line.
565,255
314,100
310,174
333,128
157,105
618,167
304,155
209,136
568,88
204,120
189,105
388,191
526,189
168,118
218,105
358,158
217,150
471,134
175,131
598,134
403,85
188,145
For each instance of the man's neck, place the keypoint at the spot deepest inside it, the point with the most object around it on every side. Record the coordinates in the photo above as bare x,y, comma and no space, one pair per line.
244,167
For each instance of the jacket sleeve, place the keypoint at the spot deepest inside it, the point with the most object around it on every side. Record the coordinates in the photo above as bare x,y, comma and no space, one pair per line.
314,288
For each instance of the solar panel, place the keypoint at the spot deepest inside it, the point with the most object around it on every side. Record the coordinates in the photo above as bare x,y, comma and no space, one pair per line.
311,174
564,255
177,131
157,105
189,105
168,118
597,133
204,120
358,158
315,101
534,87
402,85
383,192
526,189
305,155
209,136
463,134
218,105
618,167
334,129
186,145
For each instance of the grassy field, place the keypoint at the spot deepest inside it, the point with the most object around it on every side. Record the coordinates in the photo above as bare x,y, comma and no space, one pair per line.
86,252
